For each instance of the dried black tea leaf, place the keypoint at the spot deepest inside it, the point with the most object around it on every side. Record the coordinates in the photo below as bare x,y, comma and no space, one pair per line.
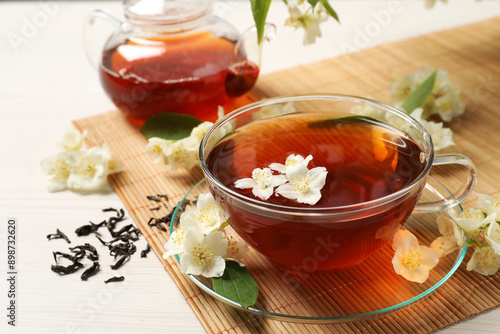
64,255
155,209
87,229
90,271
65,270
115,279
58,235
120,262
154,198
165,196
144,252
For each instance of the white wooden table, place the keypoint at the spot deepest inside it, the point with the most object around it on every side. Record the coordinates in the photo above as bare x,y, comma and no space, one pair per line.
46,81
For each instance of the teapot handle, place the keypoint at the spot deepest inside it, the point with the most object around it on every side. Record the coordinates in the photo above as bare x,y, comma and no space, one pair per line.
92,50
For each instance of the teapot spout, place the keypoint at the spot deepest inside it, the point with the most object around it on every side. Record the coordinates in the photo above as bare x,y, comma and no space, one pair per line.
245,66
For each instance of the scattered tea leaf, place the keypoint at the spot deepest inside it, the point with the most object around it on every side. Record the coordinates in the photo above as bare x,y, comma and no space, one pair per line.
58,235
90,271
144,252
418,97
120,262
237,284
165,196
87,229
169,126
115,279
154,198
65,270
155,209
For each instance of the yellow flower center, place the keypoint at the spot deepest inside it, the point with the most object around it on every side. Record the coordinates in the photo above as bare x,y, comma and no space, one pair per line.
261,177
87,167
180,155
207,214
496,203
202,255
487,259
231,247
472,214
60,170
112,165
301,184
412,260
291,162
157,149
179,237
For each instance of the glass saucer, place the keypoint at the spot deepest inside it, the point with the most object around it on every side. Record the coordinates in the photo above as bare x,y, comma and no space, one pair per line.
368,290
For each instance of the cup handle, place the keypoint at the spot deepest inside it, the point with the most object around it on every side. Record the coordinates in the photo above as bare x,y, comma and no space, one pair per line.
460,195
93,55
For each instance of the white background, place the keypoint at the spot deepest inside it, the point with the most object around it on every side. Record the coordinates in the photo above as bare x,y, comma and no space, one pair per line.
47,82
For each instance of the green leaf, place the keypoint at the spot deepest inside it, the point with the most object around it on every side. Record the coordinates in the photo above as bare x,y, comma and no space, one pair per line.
313,3
169,126
333,121
330,10
259,10
236,284
418,97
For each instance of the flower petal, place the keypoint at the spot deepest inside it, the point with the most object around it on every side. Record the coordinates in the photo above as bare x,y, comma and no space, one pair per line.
317,177
262,193
311,197
278,167
405,241
245,183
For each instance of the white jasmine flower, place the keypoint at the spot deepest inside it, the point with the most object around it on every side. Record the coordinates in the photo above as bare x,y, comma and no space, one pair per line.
304,185
262,182
175,243
157,148
274,110
87,168
236,249
397,122
207,217
113,164
204,255
369,111
441,137
291,160
309,20
451,240
449,104
485,261
488,205
411,260
199,131
493,236
183,153
444,99
472,220
72,140
57,168
401,89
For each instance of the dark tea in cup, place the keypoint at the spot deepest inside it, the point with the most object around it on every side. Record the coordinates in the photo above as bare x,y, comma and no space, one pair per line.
376,174
365,160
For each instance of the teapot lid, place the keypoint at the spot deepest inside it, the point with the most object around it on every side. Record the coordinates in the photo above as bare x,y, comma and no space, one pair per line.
155,12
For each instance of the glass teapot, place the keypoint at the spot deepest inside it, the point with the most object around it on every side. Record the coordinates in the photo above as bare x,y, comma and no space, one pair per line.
174,56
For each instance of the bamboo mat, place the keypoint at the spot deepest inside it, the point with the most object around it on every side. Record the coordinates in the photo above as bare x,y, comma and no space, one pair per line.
470,53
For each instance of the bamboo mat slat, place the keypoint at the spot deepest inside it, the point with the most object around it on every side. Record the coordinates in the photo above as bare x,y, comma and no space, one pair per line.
470,53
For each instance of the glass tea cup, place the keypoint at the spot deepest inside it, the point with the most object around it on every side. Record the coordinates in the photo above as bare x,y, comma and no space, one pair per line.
321,238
